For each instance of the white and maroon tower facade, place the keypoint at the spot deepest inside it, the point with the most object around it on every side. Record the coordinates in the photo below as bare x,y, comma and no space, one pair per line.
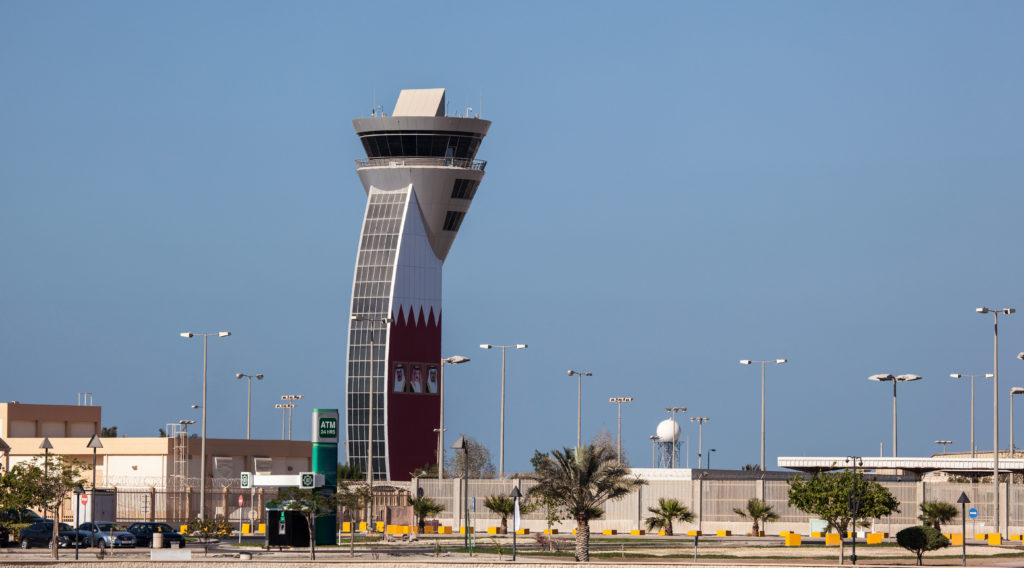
420,174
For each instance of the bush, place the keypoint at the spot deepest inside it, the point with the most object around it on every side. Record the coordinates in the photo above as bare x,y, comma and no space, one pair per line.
921,539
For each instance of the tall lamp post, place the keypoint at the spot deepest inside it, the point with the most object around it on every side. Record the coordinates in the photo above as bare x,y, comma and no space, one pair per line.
763,363
1013,455
248,399
461,444
284,413
579,401
894,379
675,434
202,444
700,420
618,436
501,429
854,503
453,360
960,376
290,404
383,322
46,446
995,404
654,444
711,452
94,444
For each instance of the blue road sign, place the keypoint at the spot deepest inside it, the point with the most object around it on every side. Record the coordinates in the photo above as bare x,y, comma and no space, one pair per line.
972,513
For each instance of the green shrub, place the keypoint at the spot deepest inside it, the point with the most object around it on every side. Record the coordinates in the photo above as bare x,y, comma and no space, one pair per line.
921,539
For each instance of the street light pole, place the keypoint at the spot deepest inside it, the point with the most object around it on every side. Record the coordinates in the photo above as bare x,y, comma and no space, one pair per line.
95,444
501,429
944,443
202,444
248,400
579,402
700,420
284,413
618,436
960,376
1013,455
291,398
763,363
654,443
710,453
453,360
894,379
995,405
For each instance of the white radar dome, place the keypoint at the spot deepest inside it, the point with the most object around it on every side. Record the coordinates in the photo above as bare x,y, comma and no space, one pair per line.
668,431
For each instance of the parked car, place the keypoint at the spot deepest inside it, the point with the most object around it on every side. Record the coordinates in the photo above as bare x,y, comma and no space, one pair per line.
5,536
144,534
40,533
106,534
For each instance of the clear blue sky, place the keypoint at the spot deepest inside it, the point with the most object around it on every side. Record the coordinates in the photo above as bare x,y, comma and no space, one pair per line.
671,187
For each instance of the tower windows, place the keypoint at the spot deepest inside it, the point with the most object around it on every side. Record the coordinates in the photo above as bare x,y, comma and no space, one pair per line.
464,189
452,220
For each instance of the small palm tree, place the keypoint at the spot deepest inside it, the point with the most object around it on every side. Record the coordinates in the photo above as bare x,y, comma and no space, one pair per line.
503,506
935,513
668,510
759,512
424,507
580,480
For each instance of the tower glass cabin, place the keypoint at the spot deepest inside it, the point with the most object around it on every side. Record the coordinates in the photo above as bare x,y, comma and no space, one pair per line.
420,175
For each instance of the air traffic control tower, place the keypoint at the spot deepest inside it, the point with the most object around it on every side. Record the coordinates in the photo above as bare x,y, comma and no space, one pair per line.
420,175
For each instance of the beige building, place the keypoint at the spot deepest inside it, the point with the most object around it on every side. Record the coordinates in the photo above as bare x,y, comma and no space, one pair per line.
169,463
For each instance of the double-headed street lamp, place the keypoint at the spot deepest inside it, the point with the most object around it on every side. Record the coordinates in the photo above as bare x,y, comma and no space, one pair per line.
763,363
290,404
944,443
202,444
675,432
700,420
579,402
894,379
960,376
618,436
453,360
284,413
248,403
995,401
501,435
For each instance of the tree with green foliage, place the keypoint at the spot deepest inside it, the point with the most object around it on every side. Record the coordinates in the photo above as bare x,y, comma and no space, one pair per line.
348,472
921,539
353,497
108,432
936,513
311,503
423,507
580,480
209,529
759,512
505,506
831,496
668,510
18,488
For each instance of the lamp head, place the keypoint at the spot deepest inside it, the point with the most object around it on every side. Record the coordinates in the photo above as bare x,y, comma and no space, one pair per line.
907,378
486,346
239,375
956,376
1016,390
515,493
1009,311
223,333
1021,355
520,346
745,361
781,361
259,377
982,310
187,334
885,377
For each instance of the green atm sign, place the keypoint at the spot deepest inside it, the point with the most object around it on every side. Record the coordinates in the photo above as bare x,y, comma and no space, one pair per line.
328,427
325,426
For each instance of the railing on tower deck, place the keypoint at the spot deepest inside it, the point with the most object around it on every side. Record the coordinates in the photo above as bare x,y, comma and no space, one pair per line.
401,162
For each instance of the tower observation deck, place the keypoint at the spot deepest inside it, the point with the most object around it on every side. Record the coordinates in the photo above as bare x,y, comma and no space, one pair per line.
420,175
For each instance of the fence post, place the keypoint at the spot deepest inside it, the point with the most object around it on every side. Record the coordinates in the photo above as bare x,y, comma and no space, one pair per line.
188,503
224,502
152,504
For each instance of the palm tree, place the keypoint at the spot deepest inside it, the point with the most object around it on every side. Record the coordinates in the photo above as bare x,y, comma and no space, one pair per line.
759,512
503,506
424,507
580,480
936,513
668,510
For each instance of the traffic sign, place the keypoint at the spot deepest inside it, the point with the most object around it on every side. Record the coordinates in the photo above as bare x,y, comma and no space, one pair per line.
85,498
972,513
241,501
246,481
306,481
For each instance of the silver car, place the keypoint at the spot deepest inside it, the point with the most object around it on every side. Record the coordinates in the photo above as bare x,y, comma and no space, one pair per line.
106,534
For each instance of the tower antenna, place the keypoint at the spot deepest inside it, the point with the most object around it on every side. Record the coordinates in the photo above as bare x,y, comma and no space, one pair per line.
481,107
